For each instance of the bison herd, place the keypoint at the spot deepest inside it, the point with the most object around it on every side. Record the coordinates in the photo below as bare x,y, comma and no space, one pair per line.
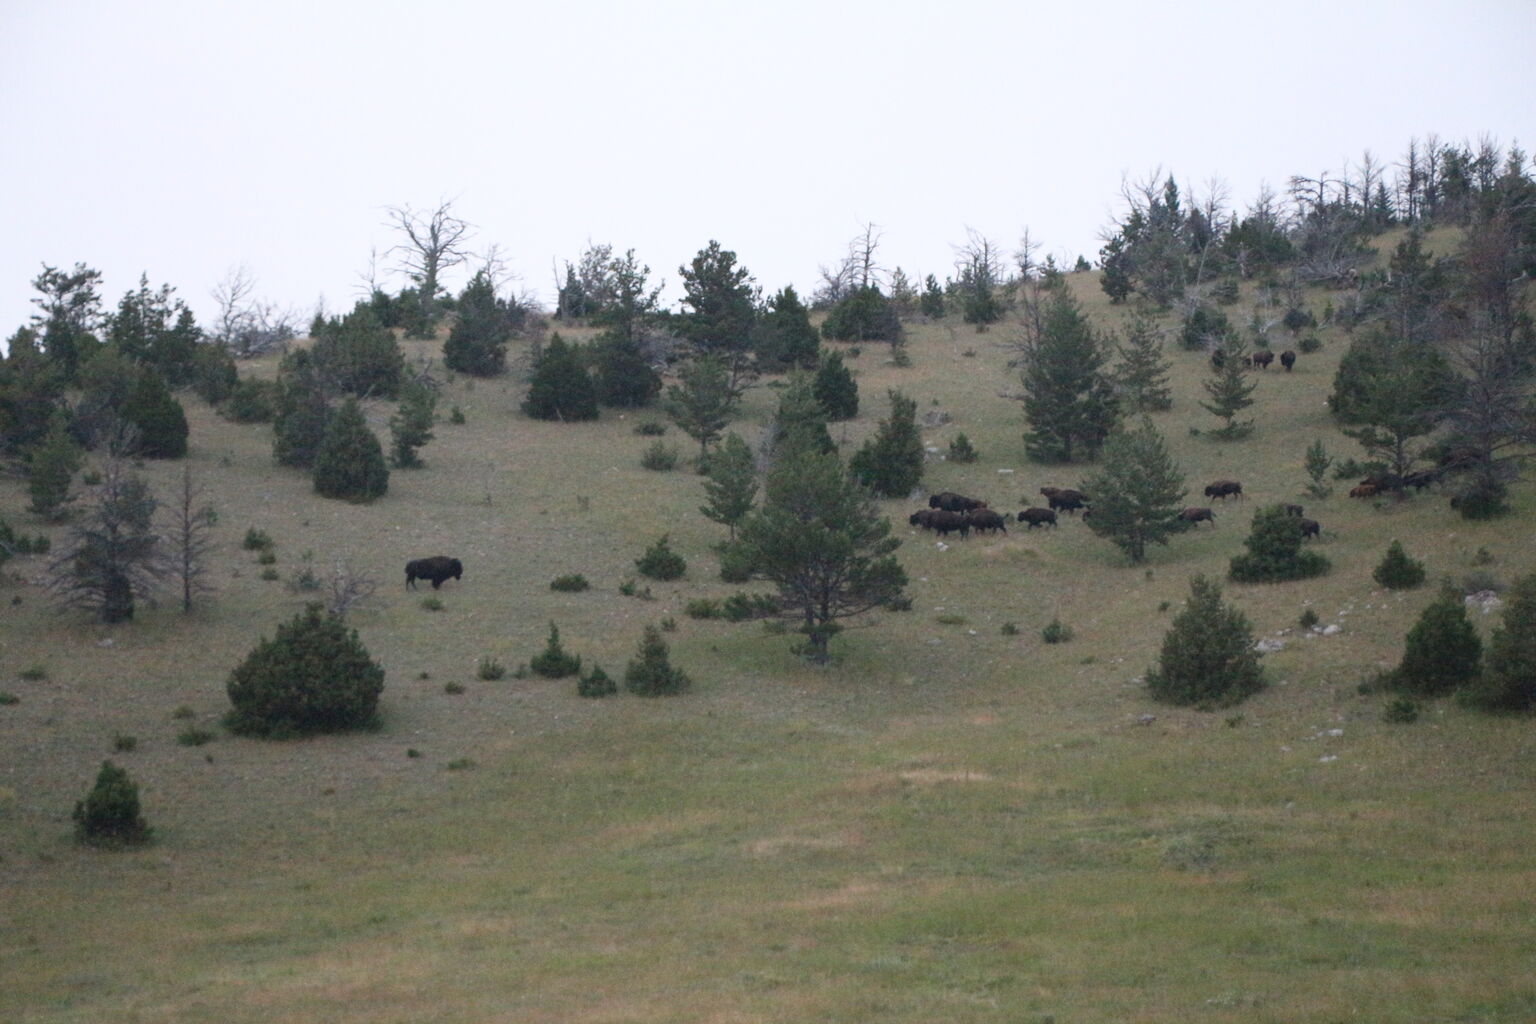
1260,360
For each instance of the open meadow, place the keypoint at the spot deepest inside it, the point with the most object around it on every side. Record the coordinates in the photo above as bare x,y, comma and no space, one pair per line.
955,821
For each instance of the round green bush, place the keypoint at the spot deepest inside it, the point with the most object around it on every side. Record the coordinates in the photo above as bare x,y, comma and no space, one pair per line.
109,815
1397,571
315,676
1207,659
660,562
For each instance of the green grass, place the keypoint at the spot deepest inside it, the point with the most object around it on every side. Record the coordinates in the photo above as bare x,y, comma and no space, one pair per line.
957,824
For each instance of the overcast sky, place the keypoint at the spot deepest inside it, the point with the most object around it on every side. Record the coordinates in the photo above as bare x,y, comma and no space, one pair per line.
182,139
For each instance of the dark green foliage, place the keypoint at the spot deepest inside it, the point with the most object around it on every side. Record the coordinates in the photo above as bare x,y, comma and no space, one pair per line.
560,388
1296,318
477,342
835,388
703,401
110,814
720,301
31,388
1116,266
1069,399
736,563
214,374
69,309
1309,618
51,467
819,539
625,379
741,607
1442,652
113,556
702,608
251,401
891,462
1482,499
660,562
650,428
1141,377
1226,291
1137,493
596,684
359,356
574,583
301,411
553,662
489,669
1397,571
1401,711
1207,659
256,540
1056,633
1509,674
1310,344
158,417
784,338
865,315
932,303
802,420
411,426
1396,392
151,329
731,484
651,673
1231,386
1274,551
961,450
660,457
1206,329
350,462
314,676
1317,462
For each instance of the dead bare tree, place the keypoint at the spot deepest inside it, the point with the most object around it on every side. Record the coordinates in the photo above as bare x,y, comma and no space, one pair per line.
191,538
434,243
244,325
861,256
350,588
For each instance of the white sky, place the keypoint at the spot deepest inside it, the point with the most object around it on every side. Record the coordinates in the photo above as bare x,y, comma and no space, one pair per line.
184,138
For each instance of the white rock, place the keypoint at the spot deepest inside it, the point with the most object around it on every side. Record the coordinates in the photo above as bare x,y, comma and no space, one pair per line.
1328,759
1269,646
1005,471
1332,629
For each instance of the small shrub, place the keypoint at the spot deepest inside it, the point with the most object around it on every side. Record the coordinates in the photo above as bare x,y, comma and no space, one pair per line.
432,604
304,581
1056,633
1010,629
34,673
1441,652
961,450
575,583
256,540
1309,618
651,428
740,607
651,673
267,557
1480,580
660,562
313,676
1482,557
490,669
1402,711
899,604
123,743
110,814
1397,571
668,624
1310,344
7,698
630,588
194,736
703,608
1163,606
661,457
521,672
461,764
1482,500
183,713
456,417
1207,657
553,662
412,752
453,689
596,684
1274,551
251,401
736,565
950,620
270,574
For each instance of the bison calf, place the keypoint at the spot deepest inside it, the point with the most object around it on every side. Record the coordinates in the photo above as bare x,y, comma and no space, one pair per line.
437,569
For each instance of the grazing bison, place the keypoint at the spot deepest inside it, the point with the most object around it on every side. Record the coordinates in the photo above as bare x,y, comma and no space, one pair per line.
1364,491
1224,489
920,518
1064,499
944,522
437,569
949,501
1038,517
1262,358
1292,510
1287,360
984,520
1311,528
1193,515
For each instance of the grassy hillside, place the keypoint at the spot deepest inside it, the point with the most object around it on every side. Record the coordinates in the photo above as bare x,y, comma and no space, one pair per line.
953,822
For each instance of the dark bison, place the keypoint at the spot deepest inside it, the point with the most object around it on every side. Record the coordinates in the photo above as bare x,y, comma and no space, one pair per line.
1064,499
1287,360
1262,358
1038,517
984,520
945,522
1311,528
1224,489
1364,491
920,518
949,501
437,569
1193,515
1292,510
1218,358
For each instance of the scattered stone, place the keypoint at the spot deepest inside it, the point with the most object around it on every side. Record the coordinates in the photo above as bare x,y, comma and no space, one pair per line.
1005,471
1328,759
1146,719
1332,629
1487,600
1269,646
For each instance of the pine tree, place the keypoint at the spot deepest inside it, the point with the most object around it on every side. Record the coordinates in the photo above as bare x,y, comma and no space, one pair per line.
625,378
152,329
720,297
1231,387
477,342
560,388
314,676
891,462
1207,660
1401,394
301,412
350,462
357,355
113,557
411,426
50,469
1142,374
731,484
1442,651
553,662
1317,462
785,338
1397,571
865,315
159,418
802,420
1069,400
703,401
110,814
1509,674
651,673
1137,493
835,387
932,302
1274,552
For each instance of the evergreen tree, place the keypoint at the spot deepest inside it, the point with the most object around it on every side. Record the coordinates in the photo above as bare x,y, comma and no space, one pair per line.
1317,463
651,673
891,462
357,355
1231,387
1115,264
801,421
150,327
1274,551
553,662
350,461
785,338
1509,674
720,301
300,413
703,401
865,315
1207,659
50,469
560,388
411,426
624,377
31,388
314,676
1442,651
113,556
110,814
1402,396
214,373
156,415
731,484
932,302
1397,571
477,342
1142,374
628,308
69,311
1069,400
1206,329
819,539
835,387
1137,493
